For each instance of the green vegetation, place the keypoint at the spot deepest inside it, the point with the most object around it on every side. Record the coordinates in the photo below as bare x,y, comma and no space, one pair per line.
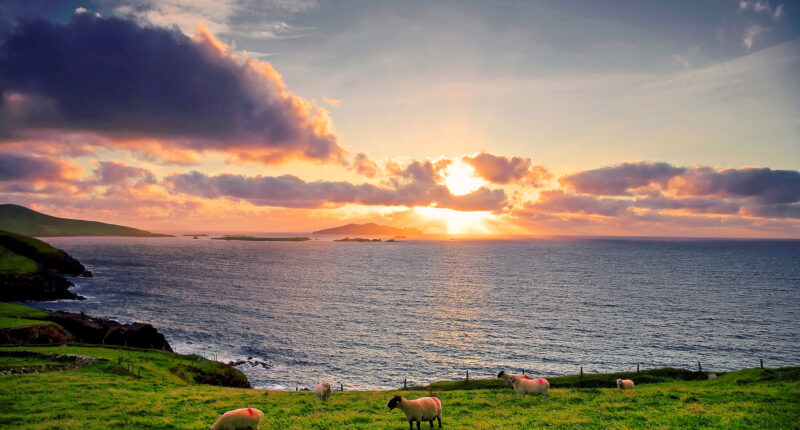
12,263
263,239
112,394
11,310
15,316
593,380
21,220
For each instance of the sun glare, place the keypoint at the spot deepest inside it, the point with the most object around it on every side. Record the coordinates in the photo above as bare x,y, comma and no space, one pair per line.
460,178
458,222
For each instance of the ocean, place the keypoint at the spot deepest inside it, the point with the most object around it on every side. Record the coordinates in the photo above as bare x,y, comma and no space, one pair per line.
371,315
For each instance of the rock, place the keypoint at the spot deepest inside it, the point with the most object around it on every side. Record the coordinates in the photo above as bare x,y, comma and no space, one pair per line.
101,331
38,334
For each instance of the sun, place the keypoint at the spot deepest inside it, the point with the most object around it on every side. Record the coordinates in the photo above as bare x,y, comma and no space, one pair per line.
458,222
460,178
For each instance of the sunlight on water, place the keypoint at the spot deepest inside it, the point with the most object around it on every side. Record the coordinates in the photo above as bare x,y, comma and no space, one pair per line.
371,314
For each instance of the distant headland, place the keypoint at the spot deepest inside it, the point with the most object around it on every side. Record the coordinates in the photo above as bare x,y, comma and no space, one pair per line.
371,229
21,220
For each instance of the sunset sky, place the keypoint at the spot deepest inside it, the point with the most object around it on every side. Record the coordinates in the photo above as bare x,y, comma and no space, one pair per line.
542,118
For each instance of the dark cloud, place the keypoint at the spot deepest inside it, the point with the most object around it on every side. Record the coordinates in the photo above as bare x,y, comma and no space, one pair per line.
26,168
761,184
291,191
130,83
507,170
774,211
620,179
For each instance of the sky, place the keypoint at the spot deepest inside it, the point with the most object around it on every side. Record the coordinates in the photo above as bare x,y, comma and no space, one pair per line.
567,117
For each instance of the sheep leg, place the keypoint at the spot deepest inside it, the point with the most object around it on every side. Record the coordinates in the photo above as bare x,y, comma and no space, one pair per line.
418,424
410,424
431,423
440,421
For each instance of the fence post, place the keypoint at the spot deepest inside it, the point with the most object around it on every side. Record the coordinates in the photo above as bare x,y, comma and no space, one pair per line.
467,375
699,367
581,371
523,371
637,367
762,363
405,383
341,386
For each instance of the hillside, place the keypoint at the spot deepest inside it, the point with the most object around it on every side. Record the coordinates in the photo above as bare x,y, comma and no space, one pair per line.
371,229
21,220
126,388
33,270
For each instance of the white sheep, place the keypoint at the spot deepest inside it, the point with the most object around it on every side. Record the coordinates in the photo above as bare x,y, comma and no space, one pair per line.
530,386
712,376
239,419
423,409
624,384
507,377
323,391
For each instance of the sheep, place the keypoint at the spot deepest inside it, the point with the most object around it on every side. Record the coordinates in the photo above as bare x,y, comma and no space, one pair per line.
624,384
530,386
239,419
507,377
423,409
323,391
712,376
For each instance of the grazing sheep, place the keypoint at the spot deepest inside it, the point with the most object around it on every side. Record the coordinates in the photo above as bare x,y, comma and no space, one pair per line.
507,377
424,409
323,391
712,376
239,419
624,384
530,386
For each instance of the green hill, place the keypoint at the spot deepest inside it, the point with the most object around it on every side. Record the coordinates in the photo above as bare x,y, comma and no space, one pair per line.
21,220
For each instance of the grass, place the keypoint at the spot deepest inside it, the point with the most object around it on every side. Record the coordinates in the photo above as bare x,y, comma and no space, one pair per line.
14,264
15,316
106,395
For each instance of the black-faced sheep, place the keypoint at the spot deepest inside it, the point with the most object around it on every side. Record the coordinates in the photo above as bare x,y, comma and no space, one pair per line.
424,409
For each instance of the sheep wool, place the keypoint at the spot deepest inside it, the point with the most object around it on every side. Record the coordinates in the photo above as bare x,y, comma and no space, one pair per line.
624,384
507,377
423,409
530,386
323,391
239,419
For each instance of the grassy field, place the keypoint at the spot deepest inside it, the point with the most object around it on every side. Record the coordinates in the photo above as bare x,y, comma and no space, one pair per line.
13,316
111,394
14,264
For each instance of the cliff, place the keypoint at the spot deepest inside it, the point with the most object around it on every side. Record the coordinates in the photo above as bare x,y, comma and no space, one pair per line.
21,220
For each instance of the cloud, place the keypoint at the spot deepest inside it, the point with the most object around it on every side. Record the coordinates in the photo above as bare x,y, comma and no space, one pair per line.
774,211
557,201
416,186
507,170
364,166
154,91
751,34
332,102
116,173
622,178
763,185
778,12
27,168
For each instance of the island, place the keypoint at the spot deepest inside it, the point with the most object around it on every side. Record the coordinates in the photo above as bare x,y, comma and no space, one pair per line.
356,239
263,239
371,229
21,220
